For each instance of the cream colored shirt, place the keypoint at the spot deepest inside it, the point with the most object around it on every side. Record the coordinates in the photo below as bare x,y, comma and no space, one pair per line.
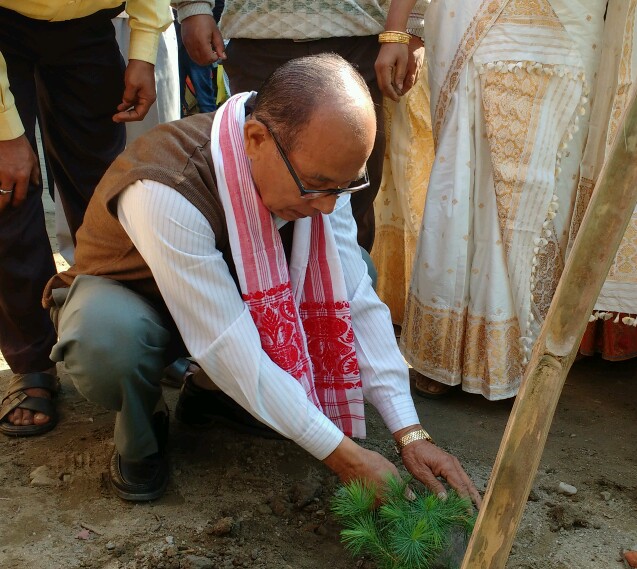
148,18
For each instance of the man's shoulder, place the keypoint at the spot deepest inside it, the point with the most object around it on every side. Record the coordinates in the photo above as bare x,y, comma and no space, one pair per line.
194,129
174,141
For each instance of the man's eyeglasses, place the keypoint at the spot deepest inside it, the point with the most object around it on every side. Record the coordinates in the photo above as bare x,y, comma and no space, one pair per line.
355,186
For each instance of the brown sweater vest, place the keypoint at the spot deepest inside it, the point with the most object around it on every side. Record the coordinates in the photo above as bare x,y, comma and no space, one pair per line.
176,154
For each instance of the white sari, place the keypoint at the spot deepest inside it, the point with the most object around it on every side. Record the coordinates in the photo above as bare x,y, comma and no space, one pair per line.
613,88
509,86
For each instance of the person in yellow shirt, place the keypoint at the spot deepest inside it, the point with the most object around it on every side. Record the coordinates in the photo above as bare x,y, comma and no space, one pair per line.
59,58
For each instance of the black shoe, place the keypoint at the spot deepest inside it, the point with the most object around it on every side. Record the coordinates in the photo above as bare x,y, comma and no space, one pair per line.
145,479
203,407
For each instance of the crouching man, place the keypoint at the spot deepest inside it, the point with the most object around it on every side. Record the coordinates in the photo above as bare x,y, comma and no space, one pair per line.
229,237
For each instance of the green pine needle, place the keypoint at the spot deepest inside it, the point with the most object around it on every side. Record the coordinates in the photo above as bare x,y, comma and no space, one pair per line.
354,500
400,534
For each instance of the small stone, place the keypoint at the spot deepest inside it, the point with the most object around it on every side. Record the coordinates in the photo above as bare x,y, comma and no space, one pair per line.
566,489
41,471
321,530
170,539
631,557
110,546
279,507
43,476
605,495
83,534
254,554
222,527
304,493
44,481
197,562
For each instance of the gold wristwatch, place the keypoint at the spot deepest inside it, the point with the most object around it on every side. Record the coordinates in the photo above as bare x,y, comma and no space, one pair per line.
416,435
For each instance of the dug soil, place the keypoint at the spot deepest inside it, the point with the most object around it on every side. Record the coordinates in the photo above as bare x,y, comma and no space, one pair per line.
238,501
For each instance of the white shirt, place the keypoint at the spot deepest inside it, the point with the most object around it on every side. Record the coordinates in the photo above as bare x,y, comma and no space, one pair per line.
178,245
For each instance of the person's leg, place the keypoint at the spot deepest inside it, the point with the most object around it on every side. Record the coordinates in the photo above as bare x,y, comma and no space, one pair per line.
26,260
113,345
182,60
167,77
205,91
80,81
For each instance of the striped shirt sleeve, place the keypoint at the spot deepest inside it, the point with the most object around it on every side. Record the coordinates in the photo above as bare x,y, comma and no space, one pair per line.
178,244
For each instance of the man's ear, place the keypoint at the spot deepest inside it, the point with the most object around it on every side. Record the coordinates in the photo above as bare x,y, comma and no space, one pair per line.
255,135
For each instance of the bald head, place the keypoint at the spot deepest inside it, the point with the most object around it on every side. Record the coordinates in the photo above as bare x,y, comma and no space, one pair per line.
306,88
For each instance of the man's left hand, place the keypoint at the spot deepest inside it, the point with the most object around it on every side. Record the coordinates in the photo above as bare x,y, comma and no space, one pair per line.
139,91
425,462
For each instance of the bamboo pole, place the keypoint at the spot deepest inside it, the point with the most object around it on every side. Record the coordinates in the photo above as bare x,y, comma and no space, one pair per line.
516,464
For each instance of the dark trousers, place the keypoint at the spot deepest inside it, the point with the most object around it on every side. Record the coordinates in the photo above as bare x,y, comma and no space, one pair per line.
250,62
73,73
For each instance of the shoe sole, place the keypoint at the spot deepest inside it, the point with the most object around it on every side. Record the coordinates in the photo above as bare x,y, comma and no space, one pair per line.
27,430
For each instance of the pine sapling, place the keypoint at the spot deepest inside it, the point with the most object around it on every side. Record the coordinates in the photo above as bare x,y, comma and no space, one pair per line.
402,533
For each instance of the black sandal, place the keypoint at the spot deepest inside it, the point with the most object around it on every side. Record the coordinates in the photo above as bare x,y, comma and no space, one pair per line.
17,398
203,407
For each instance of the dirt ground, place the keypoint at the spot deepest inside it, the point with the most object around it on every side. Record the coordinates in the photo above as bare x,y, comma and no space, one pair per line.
238,501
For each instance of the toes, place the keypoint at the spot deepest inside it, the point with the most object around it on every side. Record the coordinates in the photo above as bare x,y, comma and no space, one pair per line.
27,417
40,419
24,417
15,417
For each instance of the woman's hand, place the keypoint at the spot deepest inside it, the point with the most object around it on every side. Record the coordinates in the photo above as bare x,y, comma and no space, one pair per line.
391,69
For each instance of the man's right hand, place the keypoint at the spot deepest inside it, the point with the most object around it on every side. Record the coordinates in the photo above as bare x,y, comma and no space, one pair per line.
202,39
18,166
351,461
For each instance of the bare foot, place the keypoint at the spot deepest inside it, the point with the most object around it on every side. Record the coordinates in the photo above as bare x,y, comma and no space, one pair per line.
25,416
428,387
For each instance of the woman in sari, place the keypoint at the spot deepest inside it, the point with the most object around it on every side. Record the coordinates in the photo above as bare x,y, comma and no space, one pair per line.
510,82
612,331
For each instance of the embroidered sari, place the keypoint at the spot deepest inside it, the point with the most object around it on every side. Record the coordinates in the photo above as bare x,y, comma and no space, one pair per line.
509,87
613,327
399,204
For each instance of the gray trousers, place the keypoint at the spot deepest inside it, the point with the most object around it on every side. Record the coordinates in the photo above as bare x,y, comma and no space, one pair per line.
113,344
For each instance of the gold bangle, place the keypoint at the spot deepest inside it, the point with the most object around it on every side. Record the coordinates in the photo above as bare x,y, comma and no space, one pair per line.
394,37
412,436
